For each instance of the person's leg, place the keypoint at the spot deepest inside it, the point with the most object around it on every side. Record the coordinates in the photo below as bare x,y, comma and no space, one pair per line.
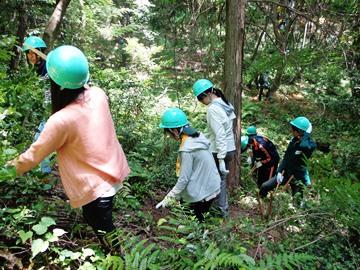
221,201
200,208
261,89
98,214
268,186
297,189
264,174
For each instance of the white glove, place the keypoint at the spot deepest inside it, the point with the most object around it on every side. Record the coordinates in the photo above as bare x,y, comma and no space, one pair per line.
222,167
166,201
249,160
279,178
309,129
258,164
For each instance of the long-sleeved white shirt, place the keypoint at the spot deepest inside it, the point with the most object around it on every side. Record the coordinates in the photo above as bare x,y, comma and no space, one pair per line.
220,128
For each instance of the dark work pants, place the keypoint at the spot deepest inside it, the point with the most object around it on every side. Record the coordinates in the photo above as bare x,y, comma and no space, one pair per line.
297,188
200,208
265,173
98,214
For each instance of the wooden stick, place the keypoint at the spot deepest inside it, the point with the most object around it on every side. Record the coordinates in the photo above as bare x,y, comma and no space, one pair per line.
39,53
261,210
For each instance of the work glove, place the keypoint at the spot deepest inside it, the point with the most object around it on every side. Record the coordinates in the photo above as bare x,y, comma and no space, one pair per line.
258,164
279,178
167,200
222,167
249,160
309,129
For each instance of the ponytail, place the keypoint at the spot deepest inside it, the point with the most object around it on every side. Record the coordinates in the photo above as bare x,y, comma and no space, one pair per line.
217,92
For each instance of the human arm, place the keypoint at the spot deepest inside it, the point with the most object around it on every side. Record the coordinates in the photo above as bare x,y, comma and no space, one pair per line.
266,154
216,120
186,161
307,145
51,138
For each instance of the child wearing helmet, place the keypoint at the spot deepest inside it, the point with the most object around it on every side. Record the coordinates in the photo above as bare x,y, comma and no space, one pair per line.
33,58
263,154
92,164
32,45
293,168
220,117
198,178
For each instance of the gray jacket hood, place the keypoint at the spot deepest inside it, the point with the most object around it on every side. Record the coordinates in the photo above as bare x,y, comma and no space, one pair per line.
229,109
194,144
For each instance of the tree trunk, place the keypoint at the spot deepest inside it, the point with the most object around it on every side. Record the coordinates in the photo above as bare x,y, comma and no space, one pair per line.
20,35
53,26
234,43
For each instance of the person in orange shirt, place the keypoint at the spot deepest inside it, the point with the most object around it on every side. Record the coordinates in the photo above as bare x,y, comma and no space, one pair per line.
91,161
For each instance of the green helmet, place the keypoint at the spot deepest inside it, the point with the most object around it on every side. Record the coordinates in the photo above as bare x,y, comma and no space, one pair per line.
68,67
301,122
244,142
33,42
251,131
173,118
201,86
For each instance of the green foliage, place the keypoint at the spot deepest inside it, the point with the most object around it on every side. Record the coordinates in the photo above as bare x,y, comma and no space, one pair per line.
288,261
146,58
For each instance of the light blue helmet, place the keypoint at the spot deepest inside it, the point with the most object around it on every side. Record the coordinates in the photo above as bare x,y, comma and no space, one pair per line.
200,86
33,42
301,123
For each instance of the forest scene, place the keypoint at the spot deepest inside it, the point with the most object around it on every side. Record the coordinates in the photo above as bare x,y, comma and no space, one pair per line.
268,179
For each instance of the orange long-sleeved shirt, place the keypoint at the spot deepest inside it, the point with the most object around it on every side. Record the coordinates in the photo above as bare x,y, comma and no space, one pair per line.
89,154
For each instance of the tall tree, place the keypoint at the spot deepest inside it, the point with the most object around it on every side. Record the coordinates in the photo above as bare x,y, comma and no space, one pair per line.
53,26
234,43
20,34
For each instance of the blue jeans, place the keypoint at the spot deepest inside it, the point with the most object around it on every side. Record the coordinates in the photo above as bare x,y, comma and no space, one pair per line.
45,164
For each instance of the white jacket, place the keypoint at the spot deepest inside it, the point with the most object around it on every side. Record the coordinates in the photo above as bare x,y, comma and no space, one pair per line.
220,118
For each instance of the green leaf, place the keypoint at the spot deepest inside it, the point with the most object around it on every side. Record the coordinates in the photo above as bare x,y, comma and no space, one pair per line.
47,221
51,237
161,221
9,151
39,246
40,228
58,232
25,235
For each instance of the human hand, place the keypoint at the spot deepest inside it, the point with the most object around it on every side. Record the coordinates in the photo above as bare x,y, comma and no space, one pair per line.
279,178
166,201
222,167
258,164
11,163
249,160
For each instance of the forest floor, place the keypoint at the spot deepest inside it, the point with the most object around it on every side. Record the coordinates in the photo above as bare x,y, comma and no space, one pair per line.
144,220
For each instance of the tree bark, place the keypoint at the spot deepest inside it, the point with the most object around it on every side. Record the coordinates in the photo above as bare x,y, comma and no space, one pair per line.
53,26
234,43
20,34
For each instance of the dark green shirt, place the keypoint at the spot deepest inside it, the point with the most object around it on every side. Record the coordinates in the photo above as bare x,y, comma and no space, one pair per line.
296,156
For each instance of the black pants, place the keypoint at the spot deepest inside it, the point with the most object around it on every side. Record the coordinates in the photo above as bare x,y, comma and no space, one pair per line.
265,173
200,208
98,214
297,188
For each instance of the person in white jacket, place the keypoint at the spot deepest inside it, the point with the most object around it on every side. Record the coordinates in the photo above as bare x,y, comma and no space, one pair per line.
198,179
220,116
